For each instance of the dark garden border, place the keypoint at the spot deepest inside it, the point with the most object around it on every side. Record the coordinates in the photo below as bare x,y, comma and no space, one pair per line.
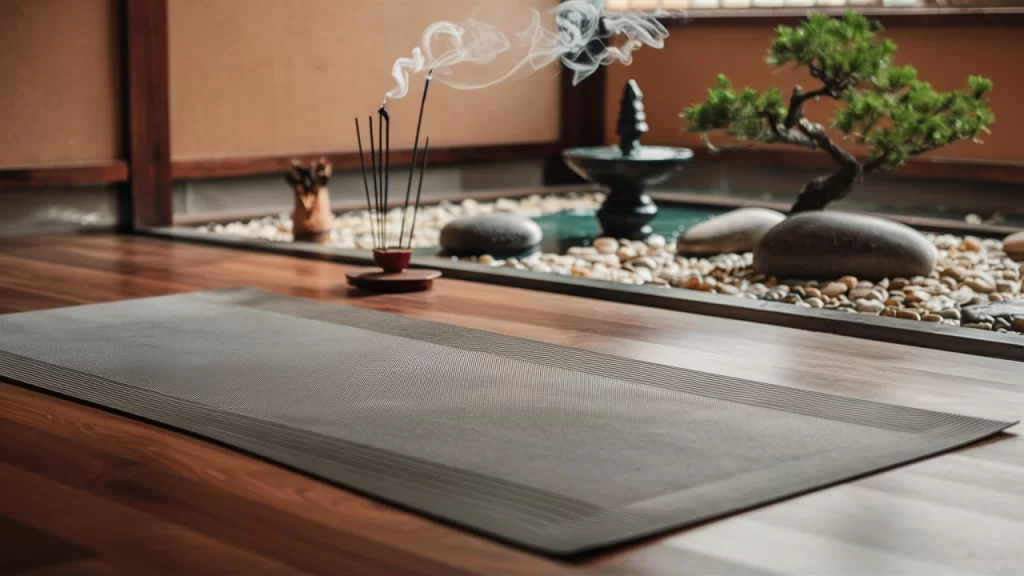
883,329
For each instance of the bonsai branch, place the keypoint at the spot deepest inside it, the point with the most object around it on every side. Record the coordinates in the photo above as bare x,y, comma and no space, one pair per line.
816,134
797,99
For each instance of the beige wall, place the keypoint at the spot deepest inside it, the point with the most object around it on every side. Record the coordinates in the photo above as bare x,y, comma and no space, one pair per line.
275,77
60,95
680,74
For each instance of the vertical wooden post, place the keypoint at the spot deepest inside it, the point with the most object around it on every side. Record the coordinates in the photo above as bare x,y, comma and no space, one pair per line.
147,201
582,119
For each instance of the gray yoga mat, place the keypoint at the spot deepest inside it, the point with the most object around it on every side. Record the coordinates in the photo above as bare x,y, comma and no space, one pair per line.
555,449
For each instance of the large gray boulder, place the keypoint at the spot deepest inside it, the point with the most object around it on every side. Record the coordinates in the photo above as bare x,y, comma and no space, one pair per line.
736,231
833,244
494,234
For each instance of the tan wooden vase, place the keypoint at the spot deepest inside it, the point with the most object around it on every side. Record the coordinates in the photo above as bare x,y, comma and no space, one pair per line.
311,218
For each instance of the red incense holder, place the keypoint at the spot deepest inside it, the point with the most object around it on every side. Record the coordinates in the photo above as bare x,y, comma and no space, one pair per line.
393,275
392,260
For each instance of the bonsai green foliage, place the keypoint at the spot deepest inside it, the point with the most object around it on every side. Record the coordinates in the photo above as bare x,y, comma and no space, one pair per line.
632,118
919,118
882,106
740,114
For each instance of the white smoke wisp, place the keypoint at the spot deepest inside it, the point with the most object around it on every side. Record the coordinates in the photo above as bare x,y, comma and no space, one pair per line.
576,37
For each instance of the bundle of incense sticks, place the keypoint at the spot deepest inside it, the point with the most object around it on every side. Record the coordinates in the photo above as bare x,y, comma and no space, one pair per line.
380,168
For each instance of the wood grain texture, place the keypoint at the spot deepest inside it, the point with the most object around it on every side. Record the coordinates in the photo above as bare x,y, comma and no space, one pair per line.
583,120
146,500
147,114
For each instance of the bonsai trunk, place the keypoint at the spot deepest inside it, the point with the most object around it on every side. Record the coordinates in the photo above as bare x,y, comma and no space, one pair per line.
824,189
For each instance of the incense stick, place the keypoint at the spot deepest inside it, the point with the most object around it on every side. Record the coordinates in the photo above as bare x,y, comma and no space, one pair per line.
376,190
419,190
386,168
380,167
366,185
415,145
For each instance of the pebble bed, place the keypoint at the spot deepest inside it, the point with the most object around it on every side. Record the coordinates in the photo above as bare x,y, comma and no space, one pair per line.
969,271
352,229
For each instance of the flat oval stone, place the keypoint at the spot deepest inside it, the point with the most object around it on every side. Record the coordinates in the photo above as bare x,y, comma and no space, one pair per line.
908,314
495,234
736,231
824,244
868,306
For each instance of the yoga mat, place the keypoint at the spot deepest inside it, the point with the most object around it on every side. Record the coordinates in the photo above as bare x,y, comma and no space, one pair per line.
555,449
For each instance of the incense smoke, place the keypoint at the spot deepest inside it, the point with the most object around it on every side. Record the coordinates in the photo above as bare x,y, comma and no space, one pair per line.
575,37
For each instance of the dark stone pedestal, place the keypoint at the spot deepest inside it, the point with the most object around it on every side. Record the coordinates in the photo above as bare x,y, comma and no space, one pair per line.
627,214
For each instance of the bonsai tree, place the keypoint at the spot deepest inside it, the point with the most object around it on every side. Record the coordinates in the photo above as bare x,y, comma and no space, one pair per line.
632,118
882,106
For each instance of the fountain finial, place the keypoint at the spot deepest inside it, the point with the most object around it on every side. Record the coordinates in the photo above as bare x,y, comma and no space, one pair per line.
632,119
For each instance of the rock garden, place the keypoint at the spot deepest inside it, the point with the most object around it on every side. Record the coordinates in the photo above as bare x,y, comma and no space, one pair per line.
811,257
973,282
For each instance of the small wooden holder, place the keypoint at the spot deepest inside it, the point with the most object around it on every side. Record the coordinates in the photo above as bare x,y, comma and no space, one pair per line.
393,275
311,218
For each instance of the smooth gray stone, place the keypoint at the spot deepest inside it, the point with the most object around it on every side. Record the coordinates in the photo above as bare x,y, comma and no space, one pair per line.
494,234
824,244
736,231
992,311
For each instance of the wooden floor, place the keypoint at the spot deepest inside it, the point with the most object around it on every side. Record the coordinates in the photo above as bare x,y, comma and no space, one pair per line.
83,491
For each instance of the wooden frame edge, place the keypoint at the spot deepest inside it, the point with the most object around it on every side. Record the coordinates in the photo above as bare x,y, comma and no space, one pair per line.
877,328
581,118
113,172
256,165
147,197
958,16
919,167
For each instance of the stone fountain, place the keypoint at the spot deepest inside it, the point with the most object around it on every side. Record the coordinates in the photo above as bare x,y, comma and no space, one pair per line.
627,169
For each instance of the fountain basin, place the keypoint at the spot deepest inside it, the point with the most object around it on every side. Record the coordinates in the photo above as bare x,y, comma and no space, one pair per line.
628,210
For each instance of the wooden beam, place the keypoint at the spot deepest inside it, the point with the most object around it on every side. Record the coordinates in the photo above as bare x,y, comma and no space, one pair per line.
251,165
147,201
75,175
582,121
920,167
933,16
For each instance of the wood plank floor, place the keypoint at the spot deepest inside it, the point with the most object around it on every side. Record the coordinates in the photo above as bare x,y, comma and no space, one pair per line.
83,491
